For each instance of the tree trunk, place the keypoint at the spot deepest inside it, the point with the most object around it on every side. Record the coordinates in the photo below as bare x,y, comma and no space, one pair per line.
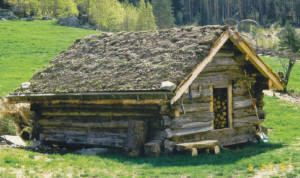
292,62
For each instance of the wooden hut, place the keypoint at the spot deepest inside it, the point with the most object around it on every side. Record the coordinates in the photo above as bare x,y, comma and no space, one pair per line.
151,91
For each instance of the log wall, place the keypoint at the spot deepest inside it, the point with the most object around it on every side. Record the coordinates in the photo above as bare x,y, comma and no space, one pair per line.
121,126
195,121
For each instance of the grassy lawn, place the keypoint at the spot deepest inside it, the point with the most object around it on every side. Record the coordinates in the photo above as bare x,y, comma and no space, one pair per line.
26,46
275,64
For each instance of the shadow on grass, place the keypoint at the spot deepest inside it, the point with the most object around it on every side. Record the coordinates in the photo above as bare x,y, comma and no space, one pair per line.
227,156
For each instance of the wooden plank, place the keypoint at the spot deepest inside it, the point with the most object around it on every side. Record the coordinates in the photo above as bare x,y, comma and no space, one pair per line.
195,107
199,68
211,108
183,132
199,145
255,60
74,123
230,106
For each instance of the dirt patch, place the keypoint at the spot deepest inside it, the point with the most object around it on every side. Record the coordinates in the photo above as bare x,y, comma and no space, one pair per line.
125,61
283,96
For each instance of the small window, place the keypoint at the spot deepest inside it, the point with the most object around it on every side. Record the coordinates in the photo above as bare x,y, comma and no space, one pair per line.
220,105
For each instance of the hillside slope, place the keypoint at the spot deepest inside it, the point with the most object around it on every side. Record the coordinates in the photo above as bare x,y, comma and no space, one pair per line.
26,47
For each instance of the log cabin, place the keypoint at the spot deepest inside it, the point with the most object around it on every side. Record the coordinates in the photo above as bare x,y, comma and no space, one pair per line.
151,91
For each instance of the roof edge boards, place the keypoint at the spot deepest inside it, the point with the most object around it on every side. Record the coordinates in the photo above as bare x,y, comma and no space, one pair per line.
89,96
263,68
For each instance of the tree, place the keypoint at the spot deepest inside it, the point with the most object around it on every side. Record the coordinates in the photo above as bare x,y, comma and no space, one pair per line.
130,17
290,46
107,14
162,10
146,20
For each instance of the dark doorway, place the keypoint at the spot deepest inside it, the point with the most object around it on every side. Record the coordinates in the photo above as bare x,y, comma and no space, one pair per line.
220,108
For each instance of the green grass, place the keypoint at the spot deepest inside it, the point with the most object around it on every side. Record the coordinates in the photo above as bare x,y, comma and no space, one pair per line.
294,82
26,47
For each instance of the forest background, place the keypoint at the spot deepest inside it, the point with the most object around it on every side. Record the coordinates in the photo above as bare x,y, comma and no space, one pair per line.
133,15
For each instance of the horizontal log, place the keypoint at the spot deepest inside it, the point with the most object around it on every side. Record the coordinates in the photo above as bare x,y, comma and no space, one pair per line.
199,145
101,102
238,139
195,107
75,123
92,133
99,114
240,91
196,117
222,135
239,104
183,125
183,132
202,99
244,112
82,140
219,68
241,122
104,107
223,61
222,54
103,97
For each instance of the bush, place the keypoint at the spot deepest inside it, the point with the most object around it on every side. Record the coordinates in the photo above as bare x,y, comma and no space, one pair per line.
14,118
7,126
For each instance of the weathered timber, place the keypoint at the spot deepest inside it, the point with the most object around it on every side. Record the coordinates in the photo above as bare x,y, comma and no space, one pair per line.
239,91
185,84
183,132
99,114
74,123
199,145
93,133
241,122
195,107
82,140
228,136
102,102
195,117
152,148
183,125
220,68
223,53
97,107
244,112
196,94
82,97
136,137
223,61
230,105
239,104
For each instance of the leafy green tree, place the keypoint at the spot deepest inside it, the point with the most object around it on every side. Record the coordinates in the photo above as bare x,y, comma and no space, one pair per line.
130,17
107,14
290,46
162,10
146,20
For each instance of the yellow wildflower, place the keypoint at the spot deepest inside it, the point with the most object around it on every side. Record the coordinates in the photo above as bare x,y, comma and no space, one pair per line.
263,167
282,166
250,168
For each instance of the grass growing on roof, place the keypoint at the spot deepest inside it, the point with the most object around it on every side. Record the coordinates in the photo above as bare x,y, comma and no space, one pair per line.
26,47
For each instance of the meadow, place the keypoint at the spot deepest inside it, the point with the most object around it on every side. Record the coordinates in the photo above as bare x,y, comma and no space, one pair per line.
26,47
